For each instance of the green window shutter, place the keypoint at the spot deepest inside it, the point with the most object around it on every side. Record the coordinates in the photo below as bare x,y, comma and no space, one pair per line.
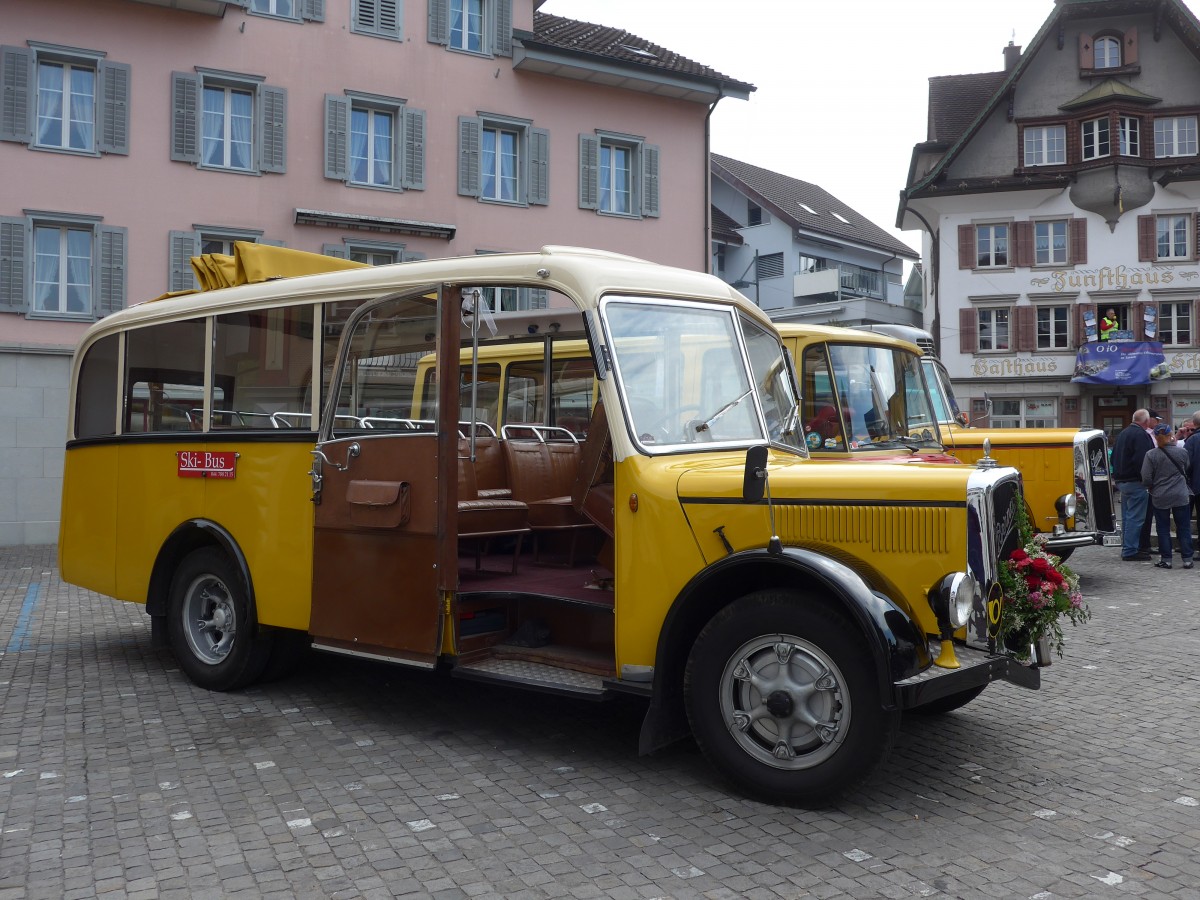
539,166
14,238
650,180
439,22
589,171
335,250
272,123
111,274
114,108
411,255
185,117
16,83
469,129
502,27
539,298
414,149
183,246
313,10
337,137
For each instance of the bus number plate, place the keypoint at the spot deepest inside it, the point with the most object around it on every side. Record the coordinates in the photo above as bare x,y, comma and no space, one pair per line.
207,464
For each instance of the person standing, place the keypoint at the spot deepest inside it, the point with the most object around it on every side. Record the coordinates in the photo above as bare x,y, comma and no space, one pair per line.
1108,324
1165,475
1192,446
1130,450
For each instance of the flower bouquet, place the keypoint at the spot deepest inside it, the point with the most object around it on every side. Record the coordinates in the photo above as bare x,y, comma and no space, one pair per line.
1039,591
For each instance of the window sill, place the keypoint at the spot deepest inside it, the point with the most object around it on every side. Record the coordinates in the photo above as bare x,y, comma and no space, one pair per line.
387,188
204,168
1109,72
65,151
45,316
994,269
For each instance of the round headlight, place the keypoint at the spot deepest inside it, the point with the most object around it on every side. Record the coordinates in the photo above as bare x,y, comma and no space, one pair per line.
964,591
1066,505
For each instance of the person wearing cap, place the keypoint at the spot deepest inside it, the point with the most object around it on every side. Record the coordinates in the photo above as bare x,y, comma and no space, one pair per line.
1129,450
1165,475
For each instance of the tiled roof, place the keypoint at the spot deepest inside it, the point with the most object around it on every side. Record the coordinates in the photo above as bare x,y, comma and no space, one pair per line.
621,45
725,229
792,199
955,101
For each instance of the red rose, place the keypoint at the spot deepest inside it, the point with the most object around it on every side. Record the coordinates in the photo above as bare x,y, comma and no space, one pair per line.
1018,555
1042,565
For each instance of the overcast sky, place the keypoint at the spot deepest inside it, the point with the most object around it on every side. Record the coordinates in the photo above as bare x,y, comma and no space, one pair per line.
843,85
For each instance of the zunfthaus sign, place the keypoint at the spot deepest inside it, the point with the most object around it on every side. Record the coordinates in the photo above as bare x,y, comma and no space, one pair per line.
1112,278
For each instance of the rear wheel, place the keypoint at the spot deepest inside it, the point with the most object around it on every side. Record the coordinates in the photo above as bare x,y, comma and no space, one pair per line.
212,625
783,699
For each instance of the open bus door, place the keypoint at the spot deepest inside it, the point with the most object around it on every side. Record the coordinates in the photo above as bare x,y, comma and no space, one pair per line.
384,486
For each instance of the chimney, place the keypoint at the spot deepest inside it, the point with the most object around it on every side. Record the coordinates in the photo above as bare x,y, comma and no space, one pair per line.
1012,55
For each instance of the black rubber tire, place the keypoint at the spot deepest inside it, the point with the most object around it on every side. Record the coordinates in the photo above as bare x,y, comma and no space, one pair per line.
950,703
232,651
819,639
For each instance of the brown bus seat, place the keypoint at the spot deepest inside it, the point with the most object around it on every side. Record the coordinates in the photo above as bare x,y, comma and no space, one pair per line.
491,473
542,475
482,518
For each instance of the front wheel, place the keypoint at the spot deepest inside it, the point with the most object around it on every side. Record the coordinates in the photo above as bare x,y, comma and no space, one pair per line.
783,699
212,626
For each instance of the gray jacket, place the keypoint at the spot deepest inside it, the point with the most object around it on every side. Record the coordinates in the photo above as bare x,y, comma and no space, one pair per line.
1168,488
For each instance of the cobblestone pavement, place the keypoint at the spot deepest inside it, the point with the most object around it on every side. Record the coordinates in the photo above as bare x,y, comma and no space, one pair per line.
350,779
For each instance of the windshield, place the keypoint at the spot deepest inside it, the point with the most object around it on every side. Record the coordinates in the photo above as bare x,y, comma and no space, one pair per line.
864,398
945,406
684,378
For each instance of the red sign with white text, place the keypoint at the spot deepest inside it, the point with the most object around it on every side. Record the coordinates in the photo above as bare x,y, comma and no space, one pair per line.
206,463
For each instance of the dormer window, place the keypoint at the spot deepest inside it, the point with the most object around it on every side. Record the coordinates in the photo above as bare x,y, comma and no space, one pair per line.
1107,52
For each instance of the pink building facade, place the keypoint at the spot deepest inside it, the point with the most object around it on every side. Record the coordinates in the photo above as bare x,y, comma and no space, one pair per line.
135,133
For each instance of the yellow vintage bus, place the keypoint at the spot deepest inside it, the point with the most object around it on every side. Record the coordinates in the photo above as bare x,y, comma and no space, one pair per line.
246,462
1065,471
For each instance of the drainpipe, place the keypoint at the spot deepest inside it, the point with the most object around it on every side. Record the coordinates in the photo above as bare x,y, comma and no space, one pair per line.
935,256
708,254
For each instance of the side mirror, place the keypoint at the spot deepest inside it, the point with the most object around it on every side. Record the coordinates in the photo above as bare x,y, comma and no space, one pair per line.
754,481
963,419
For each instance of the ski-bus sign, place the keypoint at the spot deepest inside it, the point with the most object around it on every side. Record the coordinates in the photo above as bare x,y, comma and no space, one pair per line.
207,464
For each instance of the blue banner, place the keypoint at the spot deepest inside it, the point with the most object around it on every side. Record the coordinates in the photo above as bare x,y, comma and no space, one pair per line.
1120,362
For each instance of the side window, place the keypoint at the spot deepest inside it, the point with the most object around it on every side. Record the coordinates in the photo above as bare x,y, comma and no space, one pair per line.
821,416
164,378
503,160
376,142
263,362
618,175
472,26
228,122
378,380
62,266
484,392
63,99
96,392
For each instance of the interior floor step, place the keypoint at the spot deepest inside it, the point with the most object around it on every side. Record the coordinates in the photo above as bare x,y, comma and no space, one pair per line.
537,676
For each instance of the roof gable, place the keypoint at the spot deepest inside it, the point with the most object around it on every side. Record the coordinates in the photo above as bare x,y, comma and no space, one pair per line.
1171,12
807,207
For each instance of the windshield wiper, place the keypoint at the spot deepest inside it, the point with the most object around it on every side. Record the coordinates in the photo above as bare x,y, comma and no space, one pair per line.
711,420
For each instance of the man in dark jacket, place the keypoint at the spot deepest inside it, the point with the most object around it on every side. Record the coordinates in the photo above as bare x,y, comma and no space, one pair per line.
1132,445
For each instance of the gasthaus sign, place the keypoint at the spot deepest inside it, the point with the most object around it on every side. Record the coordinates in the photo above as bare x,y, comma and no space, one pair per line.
207,464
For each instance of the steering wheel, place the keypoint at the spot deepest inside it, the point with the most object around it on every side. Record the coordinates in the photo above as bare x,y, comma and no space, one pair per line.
655,426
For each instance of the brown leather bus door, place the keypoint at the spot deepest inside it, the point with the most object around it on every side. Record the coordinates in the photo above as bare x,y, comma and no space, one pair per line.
375,548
